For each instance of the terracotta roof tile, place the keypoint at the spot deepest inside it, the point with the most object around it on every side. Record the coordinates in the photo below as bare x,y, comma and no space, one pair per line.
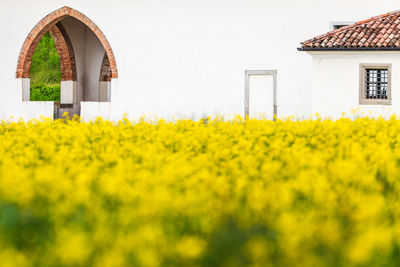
377,32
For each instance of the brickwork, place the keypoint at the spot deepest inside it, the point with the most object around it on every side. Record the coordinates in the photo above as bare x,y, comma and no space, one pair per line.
48,23
105,74
65,52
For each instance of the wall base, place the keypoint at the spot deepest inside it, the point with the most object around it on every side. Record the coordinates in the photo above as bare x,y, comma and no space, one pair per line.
36,110
91,111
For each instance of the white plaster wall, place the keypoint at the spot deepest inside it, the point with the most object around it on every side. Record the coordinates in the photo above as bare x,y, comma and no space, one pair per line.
94,53
336,83
93,110
36,110
188,57
261,96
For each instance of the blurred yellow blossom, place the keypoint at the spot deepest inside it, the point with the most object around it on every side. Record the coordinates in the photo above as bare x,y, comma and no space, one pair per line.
206,193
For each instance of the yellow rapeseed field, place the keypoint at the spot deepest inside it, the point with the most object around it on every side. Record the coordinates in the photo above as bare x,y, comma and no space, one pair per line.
207,193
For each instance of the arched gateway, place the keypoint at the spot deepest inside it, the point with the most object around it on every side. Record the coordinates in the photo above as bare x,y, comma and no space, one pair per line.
87,61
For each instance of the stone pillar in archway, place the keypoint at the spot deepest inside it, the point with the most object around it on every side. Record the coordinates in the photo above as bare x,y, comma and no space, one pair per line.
26,89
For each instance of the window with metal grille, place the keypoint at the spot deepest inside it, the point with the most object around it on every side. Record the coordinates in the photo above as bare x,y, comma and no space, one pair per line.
376,83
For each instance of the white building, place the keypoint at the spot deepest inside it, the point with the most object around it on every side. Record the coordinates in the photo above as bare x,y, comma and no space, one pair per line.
188,58
357,66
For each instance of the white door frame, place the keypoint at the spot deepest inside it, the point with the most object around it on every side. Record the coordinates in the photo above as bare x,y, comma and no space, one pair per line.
248,73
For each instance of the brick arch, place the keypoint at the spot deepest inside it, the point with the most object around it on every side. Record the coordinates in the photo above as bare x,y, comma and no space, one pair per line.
65,53
45,25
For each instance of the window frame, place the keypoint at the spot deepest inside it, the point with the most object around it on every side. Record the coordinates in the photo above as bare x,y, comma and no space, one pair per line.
362,95
248,73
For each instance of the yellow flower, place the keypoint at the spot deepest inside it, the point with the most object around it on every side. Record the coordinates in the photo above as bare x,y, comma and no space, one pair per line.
190,247
210,192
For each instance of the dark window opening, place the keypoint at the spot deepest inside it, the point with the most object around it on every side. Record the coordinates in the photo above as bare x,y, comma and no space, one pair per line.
376,83
337,27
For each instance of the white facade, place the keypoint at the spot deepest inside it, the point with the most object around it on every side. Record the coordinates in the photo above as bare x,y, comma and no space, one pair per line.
336,83
188,57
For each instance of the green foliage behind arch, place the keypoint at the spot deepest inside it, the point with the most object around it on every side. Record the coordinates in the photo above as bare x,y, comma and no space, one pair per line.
45,71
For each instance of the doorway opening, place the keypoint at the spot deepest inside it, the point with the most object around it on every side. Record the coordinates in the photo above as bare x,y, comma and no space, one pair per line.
261,94
86,61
